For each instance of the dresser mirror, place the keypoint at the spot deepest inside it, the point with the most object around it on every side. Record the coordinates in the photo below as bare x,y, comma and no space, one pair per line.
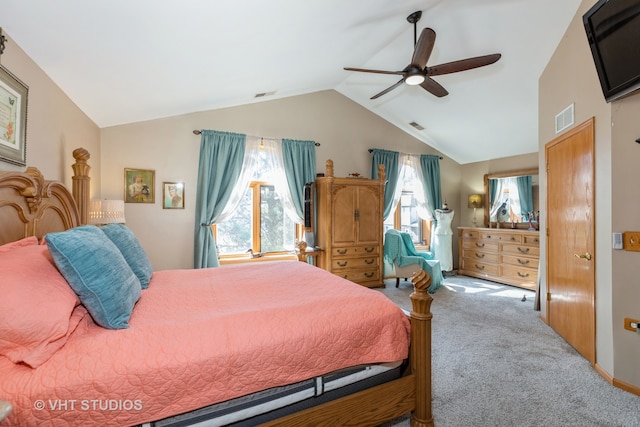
518,194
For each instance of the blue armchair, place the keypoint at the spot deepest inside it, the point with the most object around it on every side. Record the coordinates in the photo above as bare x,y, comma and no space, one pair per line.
400,251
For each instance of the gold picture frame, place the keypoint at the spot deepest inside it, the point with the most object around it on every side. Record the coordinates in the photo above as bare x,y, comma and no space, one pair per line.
139,186
173,195
13,118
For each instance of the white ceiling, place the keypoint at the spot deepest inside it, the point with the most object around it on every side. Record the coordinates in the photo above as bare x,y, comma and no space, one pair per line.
124,61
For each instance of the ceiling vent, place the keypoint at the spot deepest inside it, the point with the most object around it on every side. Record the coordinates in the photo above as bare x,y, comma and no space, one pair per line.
564,119
263,94
416,125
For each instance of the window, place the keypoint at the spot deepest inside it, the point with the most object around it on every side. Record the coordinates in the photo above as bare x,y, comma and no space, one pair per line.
404,216
260,222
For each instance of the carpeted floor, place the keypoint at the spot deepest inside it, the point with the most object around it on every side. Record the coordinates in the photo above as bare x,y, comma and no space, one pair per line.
495,363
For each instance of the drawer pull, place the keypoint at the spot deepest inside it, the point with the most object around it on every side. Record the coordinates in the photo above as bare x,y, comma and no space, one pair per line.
369,249
523,261
489,236
479,245
513,239
479,255
536,240
342,251
369,275
480,267
342,264
523,275
369,261
523,250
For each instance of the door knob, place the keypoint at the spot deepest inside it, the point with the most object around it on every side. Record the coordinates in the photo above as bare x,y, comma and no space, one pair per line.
586,256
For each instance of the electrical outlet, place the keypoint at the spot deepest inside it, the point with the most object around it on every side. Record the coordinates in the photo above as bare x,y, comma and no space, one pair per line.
631,241
631,324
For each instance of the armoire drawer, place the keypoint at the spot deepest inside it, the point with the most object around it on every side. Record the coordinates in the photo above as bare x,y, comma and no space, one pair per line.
338,263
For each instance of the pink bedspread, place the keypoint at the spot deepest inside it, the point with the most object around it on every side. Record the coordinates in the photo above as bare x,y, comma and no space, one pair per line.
199,337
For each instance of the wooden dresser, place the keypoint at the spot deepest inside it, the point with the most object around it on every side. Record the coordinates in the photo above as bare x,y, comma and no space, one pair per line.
502,255
349,226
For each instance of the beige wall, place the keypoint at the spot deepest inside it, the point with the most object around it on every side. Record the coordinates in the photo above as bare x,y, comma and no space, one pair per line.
344,129
55,125
570,77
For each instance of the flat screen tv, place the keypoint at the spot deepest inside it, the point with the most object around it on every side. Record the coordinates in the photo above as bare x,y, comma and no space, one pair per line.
613,31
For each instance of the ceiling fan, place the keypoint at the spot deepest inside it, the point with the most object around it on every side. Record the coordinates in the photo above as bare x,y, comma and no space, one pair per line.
417,72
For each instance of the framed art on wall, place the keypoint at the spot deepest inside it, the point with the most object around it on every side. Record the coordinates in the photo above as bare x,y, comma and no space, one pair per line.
139,186
13,118
173,195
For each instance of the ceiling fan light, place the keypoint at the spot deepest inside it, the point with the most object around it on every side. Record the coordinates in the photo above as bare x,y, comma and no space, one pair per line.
414,79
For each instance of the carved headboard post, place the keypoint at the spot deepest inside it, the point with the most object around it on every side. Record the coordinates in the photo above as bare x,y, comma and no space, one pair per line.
81,183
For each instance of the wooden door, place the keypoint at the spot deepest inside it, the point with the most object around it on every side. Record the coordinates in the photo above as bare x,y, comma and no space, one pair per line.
345,203
570,238
369,223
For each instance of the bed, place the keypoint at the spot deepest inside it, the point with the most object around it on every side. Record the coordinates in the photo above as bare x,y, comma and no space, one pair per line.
271,343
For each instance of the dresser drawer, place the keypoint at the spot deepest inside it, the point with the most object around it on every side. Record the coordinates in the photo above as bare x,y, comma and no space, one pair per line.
533,251
501,237
480,267
520,273
359,276
531,240
350,251
470,234
482,256
521,261
338,263
483,246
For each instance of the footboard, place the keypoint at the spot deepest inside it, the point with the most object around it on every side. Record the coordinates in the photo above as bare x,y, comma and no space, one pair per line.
411,393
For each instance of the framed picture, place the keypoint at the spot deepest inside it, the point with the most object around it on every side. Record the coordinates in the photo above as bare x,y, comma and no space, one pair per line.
13,118
139,186
173,195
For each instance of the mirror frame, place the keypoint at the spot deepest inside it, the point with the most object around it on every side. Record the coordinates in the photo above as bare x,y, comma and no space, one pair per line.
487,177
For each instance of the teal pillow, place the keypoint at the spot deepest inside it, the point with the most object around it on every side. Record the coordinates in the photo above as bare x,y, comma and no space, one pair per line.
132,251
97,272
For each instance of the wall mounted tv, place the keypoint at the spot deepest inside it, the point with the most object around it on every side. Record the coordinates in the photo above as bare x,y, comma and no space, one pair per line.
613,31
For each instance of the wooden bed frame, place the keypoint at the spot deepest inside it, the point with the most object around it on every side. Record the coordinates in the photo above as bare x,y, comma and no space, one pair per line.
33,206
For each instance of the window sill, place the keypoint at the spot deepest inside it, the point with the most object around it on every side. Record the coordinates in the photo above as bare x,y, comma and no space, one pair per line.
247,259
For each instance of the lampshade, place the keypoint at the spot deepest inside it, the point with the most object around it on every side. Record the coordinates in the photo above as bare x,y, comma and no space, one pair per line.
106,212
475,200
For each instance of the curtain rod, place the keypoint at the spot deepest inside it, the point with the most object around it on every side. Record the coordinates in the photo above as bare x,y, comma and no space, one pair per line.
370,150
198,132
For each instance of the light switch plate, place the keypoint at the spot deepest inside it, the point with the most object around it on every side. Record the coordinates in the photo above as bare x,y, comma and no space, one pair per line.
617,240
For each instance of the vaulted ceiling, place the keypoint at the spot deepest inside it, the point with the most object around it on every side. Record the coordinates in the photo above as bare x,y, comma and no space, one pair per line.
124,61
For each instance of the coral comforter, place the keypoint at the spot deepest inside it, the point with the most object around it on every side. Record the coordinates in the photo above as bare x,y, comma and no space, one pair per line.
198,337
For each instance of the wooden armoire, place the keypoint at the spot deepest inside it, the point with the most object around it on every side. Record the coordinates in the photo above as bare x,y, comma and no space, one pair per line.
349,226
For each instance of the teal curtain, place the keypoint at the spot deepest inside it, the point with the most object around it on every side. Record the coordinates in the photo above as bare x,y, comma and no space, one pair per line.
430,165
221,157
493,187
300,168
390,161
525,194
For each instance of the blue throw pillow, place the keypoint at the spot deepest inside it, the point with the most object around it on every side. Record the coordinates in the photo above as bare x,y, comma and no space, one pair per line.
132,251
97,272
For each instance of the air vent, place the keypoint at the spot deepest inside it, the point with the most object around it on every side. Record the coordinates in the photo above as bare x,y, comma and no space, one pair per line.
416,125
564,119
263,94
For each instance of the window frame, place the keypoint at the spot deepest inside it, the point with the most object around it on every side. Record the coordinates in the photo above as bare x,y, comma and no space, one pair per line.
255,186
426,225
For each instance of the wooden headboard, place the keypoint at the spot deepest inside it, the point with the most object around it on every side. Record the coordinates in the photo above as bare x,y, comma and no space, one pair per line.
33,206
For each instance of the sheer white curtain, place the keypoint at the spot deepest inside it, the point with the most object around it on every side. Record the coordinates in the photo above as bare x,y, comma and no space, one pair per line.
421,201
497,200
262,161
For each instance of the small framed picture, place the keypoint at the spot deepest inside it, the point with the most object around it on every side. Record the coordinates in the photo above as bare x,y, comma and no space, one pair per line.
173,193
13,118
139,186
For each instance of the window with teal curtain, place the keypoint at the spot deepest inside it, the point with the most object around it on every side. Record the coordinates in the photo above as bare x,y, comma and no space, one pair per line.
525,193
390,161
430,167
220,165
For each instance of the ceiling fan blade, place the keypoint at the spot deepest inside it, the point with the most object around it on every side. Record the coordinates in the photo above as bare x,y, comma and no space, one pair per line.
462,65
364,70
387,90
423,48
434,87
